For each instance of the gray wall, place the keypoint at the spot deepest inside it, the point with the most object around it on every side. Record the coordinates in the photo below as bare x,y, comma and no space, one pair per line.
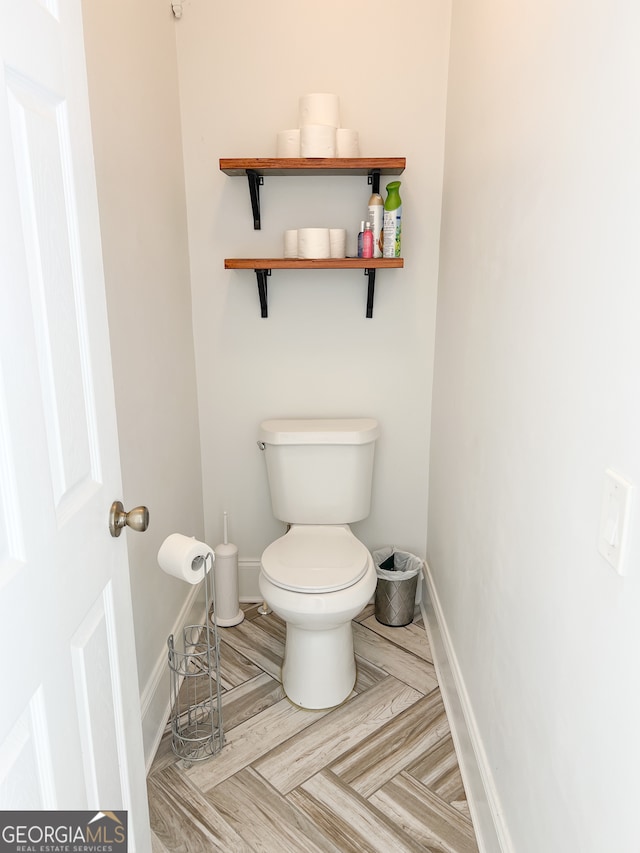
535,395
131,62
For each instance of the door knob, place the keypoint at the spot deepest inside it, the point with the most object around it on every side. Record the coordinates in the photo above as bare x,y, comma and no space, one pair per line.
136,519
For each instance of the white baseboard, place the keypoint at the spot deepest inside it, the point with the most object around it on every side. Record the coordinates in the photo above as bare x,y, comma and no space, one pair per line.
482,797
248,589
154,700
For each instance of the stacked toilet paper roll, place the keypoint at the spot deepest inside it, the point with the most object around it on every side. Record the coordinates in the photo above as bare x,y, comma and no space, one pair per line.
317,140
319,108
291,243
338,242
347,142
314,243
288,143
319,118
185,558
319,133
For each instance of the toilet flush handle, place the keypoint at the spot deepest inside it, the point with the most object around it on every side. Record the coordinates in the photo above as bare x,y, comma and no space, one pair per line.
261,444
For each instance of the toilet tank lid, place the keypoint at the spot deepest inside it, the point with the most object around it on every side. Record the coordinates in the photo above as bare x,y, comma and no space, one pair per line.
319,431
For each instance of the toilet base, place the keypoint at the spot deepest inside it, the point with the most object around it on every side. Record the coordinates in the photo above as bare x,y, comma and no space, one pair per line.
328,655
319,668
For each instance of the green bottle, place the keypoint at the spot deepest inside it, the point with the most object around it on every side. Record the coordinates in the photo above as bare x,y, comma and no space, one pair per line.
392,224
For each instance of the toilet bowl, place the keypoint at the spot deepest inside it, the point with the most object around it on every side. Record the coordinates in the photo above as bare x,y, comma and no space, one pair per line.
317,578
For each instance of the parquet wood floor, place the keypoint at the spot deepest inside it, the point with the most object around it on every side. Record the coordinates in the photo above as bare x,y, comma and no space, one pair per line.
378,774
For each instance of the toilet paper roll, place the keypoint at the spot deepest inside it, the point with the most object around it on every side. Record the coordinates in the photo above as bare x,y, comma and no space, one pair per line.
314,243
319,108
184,557
317,140
338,242
291,243
347,143
288,143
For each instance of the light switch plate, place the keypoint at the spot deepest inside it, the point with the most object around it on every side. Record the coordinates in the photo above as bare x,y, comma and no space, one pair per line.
614,519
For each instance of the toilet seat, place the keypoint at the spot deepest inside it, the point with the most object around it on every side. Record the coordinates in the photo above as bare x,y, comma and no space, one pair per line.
316,558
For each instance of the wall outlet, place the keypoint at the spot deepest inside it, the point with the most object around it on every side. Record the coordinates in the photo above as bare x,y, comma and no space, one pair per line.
614,519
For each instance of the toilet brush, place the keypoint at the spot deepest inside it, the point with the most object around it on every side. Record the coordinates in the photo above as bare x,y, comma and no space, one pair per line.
227,608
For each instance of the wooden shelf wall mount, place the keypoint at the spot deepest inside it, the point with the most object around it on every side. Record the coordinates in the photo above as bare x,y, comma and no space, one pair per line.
255,169
263,266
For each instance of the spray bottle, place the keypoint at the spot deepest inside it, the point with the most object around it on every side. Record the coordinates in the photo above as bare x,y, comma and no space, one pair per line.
376,209
392,226
367,241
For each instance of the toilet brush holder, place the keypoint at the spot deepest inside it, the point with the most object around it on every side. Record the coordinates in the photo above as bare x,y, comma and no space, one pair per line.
228,610
227,607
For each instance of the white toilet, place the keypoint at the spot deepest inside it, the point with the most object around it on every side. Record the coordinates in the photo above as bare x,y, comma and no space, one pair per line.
318,576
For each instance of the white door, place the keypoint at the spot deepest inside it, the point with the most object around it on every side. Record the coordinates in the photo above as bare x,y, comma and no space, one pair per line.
70,729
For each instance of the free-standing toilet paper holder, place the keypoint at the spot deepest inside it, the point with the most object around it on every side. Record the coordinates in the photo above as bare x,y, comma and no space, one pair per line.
196,701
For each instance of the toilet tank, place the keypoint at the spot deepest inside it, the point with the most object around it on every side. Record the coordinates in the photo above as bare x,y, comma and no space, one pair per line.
319,470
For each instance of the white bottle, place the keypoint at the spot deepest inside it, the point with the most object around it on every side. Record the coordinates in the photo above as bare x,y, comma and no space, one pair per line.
376,214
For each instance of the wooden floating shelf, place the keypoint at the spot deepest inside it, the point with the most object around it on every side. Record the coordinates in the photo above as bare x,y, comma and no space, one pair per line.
301,166
312,263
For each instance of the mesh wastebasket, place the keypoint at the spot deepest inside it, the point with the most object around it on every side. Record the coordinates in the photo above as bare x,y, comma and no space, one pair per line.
396,587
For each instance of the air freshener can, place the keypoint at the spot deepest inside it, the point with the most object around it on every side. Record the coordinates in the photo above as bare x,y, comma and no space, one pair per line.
392,223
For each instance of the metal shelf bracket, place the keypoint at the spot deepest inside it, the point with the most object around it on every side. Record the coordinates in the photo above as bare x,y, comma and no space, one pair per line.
371,275
261,279
256,180
261,276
